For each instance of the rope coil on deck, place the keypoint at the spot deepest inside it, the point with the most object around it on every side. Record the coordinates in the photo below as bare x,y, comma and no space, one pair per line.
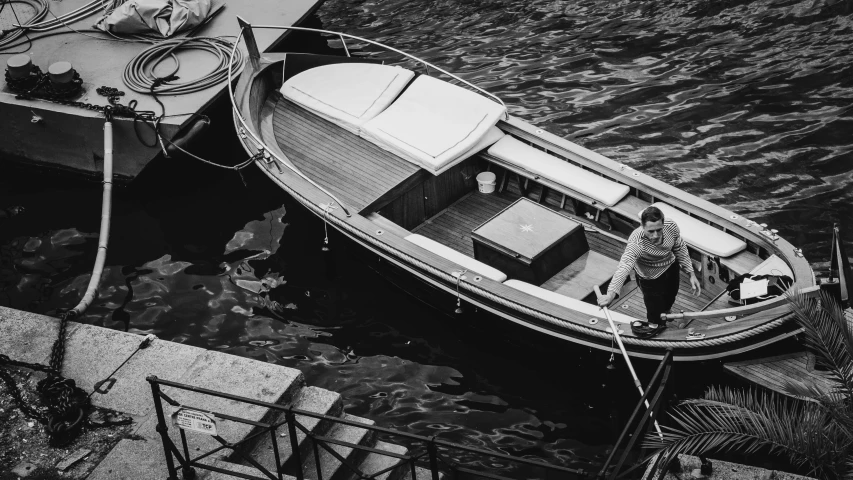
139,73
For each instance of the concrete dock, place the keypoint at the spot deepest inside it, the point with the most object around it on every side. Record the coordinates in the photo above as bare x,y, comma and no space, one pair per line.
94,352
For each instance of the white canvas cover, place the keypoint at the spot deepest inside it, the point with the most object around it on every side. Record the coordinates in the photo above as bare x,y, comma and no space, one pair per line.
604,191
434,124
701,235
166,17
347,94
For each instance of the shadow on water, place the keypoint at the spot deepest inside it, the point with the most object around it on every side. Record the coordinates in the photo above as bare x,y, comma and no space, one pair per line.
744,103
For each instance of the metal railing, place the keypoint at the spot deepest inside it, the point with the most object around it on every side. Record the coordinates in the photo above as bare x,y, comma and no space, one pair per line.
423,62
428,452
248,134
646,419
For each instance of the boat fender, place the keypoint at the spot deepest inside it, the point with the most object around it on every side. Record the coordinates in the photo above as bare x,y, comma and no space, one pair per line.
183,139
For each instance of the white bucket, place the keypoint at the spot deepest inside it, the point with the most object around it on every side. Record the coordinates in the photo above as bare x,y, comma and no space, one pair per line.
486,182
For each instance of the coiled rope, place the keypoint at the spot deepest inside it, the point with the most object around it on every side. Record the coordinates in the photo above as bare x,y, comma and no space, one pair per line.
9,36
139,74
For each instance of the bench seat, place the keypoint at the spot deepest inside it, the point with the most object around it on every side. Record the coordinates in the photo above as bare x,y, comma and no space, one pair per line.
700,235
463,260
741,262
630,208
579,278
556,173
568,302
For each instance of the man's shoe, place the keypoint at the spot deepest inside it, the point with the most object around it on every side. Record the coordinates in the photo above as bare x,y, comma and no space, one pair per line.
646,330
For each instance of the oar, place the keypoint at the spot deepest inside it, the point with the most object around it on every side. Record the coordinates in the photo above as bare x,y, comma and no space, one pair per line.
625,354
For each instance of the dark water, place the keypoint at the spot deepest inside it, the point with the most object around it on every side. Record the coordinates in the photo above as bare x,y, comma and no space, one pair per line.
747,104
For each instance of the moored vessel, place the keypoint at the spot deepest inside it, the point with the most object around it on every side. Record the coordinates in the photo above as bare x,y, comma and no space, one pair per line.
433,177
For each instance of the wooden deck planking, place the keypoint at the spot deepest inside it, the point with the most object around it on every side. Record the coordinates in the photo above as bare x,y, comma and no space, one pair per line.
350,167
684,301
776,372
328,132
453,226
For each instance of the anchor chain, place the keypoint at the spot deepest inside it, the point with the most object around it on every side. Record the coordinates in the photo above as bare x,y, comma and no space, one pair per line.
65,404
37,85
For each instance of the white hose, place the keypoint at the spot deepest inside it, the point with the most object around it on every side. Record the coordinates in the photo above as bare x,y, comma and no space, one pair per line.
104,237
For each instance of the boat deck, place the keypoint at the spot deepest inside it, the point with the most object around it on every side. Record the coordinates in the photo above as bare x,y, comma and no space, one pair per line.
453,226
358,172
776,373
371,181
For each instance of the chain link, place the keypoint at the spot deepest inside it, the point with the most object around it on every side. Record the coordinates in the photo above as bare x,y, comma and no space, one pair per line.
65,404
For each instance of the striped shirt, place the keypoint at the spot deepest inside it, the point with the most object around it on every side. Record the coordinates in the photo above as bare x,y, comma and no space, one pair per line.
650,260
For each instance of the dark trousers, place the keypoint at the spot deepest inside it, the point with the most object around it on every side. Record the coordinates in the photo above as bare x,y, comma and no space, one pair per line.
659,293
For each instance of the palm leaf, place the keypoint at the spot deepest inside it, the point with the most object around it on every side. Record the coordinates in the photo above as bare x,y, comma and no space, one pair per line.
749,421
829,335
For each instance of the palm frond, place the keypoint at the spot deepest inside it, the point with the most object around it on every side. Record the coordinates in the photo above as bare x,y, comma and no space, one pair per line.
748,421
811,392
829,335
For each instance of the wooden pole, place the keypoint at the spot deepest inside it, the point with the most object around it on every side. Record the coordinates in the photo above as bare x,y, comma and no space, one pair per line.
625,354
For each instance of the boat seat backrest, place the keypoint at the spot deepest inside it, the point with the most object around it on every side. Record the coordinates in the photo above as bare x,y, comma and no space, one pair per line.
536,164
700,235
568,302
457,257
347,94
435,124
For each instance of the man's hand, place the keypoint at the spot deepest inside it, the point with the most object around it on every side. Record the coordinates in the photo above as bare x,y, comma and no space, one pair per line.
694,284
605,300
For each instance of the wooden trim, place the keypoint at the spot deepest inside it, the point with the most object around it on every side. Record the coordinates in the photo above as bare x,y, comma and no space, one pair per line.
416,179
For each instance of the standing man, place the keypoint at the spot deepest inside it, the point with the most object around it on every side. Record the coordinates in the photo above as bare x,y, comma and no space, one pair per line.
655,250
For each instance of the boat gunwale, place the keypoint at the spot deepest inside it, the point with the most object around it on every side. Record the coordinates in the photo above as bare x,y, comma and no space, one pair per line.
248,80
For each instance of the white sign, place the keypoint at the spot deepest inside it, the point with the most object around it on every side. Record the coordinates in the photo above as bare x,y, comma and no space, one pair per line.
753,288
194,420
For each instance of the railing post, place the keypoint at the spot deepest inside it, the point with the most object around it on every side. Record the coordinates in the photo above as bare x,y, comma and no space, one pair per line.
275,453
251,43
290,418
186,469
432,448
162,428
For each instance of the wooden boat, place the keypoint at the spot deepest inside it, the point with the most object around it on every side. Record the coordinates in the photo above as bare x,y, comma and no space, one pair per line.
390,158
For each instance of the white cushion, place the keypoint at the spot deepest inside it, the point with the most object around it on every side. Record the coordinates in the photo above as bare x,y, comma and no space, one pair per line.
348,94
434,124
456,257
568,302
604,191
701,235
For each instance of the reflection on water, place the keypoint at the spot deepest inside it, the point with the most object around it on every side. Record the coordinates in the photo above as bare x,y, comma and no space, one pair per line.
747,104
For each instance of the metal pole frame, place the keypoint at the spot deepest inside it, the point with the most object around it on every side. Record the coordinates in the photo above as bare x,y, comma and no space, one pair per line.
293,426
162,428
662,373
